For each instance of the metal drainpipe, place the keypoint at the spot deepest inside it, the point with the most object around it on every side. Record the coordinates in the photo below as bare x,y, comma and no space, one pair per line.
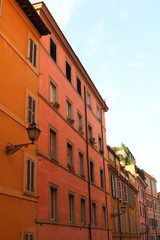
89,184
104,174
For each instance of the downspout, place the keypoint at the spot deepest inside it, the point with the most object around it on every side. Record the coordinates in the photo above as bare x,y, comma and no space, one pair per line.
104,174
89,184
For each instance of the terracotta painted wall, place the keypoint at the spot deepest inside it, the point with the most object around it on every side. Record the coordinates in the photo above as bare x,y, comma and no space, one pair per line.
57,172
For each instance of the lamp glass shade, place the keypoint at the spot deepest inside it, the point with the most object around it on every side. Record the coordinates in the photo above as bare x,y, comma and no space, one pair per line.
33,132
123,208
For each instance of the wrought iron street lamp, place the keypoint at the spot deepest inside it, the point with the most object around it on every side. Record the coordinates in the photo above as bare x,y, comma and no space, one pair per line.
33,134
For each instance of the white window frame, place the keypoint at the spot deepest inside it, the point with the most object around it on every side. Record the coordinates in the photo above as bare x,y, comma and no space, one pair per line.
89,100
55,157
69,109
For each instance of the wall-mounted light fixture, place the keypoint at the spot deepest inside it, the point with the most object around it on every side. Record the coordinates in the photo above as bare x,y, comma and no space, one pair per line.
33,134
123,209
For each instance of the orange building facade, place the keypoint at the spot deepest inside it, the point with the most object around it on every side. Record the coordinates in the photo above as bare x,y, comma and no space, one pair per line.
74,200
19,53
124,204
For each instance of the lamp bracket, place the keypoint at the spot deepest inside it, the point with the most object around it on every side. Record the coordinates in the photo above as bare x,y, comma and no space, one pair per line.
14,148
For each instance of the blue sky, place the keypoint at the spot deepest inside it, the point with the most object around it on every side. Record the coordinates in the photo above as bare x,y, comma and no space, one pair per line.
118,42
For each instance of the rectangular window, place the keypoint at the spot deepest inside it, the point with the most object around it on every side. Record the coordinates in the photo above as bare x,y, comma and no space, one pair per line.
68,71
71,209
32,53
81,164
89,131
92,176
125,195
79,86
53,144
69,109
135,204
94,214
31,112
53,50
53,93
28,236
98,113
121,222
30,174
102,178
116,220
100,143
80,123
83,210
131,223
113,186
54,206
104,211
126,223
70,156
119,190
89,100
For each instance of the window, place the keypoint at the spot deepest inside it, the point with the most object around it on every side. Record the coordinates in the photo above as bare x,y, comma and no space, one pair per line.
54,204
102,178
68,71
53,50
100,143
135,204
113,186
53,144
92,176
131,223
70,156
121,221
119,190
116,220
104,211
30,174
89,131
125,195
126,223
79,86
98,113
80,123
140,208
94,214
132,195
81,164
28,236
83,210
71,203
89,100
32,53
53,93
31,116
69,109
148,183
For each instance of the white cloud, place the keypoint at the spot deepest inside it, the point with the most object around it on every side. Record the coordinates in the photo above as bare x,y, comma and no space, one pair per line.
113,49
123,15
140,60
96,35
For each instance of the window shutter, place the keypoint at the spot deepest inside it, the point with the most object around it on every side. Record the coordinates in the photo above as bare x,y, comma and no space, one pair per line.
113,186
35,56
125,193
31,50
119,190
116,188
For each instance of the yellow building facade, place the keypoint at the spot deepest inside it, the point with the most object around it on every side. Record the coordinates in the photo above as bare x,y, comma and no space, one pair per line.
124,205
20,31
